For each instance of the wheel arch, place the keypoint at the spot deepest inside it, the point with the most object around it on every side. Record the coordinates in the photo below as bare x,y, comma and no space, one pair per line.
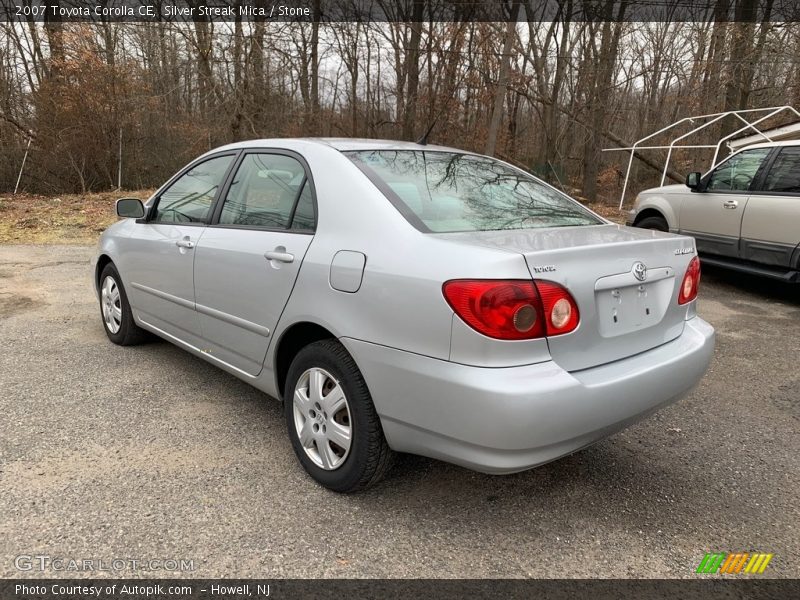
293,339
102,261
796,258
657,206
649,212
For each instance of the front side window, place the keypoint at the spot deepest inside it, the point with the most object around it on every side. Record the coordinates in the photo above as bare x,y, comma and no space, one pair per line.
190,197
784,175
264,192
448,192
738,172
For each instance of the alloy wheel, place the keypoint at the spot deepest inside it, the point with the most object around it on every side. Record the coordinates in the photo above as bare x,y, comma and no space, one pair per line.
322,418
111,303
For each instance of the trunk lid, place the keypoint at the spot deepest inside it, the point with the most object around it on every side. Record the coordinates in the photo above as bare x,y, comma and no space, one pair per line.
620,314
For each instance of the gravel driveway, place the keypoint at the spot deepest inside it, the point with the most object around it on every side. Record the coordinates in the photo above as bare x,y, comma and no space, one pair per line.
150,453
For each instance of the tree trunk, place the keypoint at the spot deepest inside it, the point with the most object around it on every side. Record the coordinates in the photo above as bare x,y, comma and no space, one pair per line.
600,92
736,92
502,83
238,84
412,69
54,29
315,116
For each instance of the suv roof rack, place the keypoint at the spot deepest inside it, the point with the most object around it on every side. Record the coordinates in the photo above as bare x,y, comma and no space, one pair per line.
745,116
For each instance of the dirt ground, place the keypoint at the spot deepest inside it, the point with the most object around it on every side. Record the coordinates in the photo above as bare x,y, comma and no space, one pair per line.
62,219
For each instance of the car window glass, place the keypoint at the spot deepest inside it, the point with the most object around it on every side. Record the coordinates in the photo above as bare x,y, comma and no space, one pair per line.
263,192
189,199
449,191
784,175
737,173
304,213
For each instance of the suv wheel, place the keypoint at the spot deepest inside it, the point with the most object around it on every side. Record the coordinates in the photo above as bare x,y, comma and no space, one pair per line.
653,223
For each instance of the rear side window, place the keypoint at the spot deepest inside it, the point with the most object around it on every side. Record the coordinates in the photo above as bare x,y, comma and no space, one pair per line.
304,217
737,173
448,192
190,197
264,192
784,175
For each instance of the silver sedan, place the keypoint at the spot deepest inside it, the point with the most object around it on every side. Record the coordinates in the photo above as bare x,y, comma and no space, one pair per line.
407,298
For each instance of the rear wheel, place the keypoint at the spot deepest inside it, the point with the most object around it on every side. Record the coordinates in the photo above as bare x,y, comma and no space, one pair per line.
333,426
116,311
657,223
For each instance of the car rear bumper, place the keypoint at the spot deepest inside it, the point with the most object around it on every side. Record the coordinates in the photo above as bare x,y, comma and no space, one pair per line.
502,420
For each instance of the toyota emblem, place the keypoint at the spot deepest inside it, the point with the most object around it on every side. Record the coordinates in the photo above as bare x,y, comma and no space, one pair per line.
639,271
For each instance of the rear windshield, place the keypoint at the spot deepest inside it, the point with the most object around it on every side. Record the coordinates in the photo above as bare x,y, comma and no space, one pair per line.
448,192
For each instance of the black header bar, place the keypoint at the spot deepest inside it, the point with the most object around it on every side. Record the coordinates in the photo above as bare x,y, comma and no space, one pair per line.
398,10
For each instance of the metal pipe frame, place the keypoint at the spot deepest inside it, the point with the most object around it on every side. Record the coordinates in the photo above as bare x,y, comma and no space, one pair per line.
714,117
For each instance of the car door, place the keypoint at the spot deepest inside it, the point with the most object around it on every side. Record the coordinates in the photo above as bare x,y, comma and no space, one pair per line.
248,259
159,255
713,214
771,222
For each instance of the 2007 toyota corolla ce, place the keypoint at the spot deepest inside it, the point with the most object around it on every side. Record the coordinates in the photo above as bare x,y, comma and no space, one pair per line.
406,297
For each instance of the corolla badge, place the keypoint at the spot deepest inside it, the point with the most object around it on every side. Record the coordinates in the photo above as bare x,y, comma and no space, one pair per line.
639,271
544,268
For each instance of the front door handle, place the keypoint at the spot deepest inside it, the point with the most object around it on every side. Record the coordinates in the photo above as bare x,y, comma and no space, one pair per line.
280,255
730,204
185,243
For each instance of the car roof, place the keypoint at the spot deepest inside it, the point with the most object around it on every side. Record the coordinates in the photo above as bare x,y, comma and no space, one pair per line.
770,144
342,144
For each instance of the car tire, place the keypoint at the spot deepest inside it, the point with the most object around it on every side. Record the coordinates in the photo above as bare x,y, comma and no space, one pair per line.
657,223
115,311
335,431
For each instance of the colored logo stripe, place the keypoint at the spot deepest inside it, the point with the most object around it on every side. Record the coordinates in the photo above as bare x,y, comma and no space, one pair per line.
758,563
734,563
710,563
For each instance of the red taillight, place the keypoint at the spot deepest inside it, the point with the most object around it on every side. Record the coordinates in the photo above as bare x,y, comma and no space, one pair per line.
690,283
560,308
513,309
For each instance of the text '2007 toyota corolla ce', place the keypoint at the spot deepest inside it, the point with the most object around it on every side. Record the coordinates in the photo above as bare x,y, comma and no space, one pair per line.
411,298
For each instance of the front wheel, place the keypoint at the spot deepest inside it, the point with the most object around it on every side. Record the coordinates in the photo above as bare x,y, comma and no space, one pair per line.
333,426
116,311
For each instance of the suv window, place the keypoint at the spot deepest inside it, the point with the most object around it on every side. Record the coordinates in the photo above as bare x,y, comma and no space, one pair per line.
264,192
784,175
191,196
737,173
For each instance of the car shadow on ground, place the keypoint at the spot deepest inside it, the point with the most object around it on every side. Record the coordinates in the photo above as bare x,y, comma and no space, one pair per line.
763,287
608,487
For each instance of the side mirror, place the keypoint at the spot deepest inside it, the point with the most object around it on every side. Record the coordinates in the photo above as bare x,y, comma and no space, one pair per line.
130,208
693,181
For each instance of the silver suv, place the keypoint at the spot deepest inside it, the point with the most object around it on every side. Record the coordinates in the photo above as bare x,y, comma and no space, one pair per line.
744,213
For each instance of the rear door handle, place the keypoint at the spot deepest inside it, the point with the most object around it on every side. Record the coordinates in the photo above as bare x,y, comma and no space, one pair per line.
184,244
280,256
730,204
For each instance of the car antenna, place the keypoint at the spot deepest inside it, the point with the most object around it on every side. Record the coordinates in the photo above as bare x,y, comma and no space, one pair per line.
423,141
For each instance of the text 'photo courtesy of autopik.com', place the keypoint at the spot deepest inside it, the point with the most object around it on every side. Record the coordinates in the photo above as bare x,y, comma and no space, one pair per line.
399,298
